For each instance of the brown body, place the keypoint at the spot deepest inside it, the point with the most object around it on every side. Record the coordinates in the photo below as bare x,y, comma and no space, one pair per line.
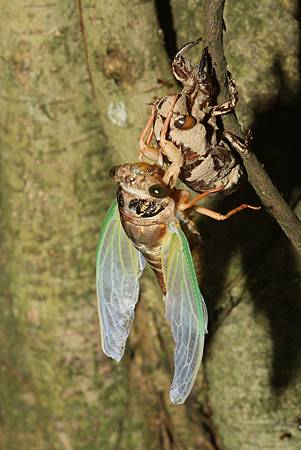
145,218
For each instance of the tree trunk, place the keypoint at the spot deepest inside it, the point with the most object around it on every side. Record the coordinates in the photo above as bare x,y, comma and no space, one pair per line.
76,82
53,183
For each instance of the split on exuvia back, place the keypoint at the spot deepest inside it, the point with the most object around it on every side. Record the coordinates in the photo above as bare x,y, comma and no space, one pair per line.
150,222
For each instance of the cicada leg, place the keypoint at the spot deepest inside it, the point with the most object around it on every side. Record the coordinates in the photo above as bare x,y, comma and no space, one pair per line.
224,108
240,147
167,148
186,203
146,149
172,152
217,216
181,67
231,103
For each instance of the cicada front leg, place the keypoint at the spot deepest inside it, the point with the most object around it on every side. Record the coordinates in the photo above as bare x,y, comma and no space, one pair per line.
181,67
166,147
146,149
171,151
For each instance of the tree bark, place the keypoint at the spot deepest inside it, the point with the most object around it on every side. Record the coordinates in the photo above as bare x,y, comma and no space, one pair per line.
76,82
64,94
52,165
128,67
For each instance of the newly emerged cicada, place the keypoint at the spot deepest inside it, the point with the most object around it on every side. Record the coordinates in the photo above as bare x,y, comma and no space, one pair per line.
149,222
184,130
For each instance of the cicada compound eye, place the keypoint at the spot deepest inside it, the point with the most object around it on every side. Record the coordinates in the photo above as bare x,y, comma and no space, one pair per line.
158,191
184,122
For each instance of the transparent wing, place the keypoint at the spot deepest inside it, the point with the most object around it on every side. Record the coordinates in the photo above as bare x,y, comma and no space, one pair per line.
186,311
118,268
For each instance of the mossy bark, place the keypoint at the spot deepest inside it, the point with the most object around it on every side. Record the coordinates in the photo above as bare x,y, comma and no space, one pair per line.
52,154
128,67
76,80
58,139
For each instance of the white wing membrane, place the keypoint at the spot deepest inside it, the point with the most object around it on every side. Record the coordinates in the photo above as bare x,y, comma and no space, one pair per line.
118,268
185,309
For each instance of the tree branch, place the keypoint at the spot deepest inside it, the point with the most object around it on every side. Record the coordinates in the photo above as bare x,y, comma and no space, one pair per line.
213,25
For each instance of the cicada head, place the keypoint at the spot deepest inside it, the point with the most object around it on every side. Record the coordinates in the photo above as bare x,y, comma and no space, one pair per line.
141,192
196,79
141,179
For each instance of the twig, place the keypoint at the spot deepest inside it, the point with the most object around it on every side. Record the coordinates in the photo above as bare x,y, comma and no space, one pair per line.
271,198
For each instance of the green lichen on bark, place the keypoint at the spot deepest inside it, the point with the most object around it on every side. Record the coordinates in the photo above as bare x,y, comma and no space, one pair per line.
254,359
261,44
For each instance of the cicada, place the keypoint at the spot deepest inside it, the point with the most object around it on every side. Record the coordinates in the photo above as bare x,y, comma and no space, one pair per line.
149,222
184,130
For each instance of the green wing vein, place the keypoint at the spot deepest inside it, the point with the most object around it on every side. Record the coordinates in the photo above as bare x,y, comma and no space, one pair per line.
185,309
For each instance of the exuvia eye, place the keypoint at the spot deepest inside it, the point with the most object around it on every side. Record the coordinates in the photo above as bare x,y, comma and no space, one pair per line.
184,122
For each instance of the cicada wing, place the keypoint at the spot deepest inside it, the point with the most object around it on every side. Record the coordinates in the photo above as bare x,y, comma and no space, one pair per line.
118,268
186,311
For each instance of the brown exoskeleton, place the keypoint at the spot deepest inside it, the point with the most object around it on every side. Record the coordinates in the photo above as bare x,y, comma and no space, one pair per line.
150,222
187,132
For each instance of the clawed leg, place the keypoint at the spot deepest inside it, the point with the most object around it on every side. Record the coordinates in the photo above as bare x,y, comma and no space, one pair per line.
166,147
233,91
173,154
146,149
217,216
184,202
181,67
230,104
238,145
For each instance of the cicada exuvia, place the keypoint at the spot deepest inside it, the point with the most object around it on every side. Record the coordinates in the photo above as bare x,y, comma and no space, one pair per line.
185,130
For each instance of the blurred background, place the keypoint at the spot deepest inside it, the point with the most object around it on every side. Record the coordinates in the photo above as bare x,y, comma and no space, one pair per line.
76,81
